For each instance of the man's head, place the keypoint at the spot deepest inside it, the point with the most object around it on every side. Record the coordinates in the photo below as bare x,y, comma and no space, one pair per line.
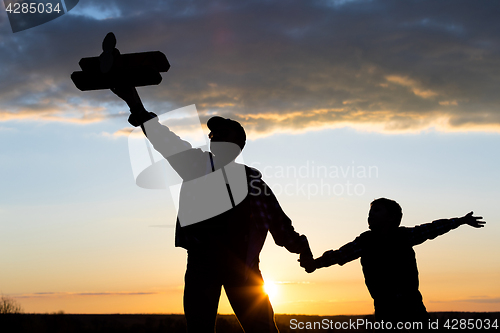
226,130
384,214
227,136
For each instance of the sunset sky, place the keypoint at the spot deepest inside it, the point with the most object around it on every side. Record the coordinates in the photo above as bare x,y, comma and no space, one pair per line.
396,99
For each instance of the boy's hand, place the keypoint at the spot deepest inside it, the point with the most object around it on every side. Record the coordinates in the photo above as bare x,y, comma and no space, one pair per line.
307,262
473,221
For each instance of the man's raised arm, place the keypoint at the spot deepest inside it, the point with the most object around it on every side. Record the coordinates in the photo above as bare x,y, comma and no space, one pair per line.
188,162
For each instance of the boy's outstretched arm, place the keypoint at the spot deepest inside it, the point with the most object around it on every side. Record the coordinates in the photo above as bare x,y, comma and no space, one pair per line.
473,221
349,252
423,232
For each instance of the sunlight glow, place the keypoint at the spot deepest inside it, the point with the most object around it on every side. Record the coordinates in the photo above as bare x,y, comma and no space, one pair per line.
271,289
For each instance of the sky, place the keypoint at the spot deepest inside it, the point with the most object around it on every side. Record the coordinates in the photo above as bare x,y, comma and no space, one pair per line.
395,99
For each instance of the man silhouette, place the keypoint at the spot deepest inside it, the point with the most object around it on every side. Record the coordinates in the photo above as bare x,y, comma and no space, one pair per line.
224,249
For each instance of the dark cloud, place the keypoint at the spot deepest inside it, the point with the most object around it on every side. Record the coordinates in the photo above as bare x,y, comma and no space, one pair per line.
274,65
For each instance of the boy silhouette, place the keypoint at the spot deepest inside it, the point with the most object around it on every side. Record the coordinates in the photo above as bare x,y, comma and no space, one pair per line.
388,260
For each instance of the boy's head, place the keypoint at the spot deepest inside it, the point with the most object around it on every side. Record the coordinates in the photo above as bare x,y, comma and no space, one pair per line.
384,214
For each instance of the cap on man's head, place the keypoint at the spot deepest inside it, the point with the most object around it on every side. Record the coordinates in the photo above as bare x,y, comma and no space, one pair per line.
224,125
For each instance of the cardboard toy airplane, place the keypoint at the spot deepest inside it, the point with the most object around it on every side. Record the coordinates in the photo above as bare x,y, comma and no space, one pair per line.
112,69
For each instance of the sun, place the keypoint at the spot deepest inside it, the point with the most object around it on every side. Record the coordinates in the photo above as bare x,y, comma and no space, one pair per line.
271,289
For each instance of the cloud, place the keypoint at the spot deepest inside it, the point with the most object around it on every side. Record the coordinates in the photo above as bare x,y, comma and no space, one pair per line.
292,282
51,115
66,294
276,66
482,300
413,85
123,132
474,299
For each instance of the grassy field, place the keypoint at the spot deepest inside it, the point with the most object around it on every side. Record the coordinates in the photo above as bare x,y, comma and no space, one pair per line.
111,323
